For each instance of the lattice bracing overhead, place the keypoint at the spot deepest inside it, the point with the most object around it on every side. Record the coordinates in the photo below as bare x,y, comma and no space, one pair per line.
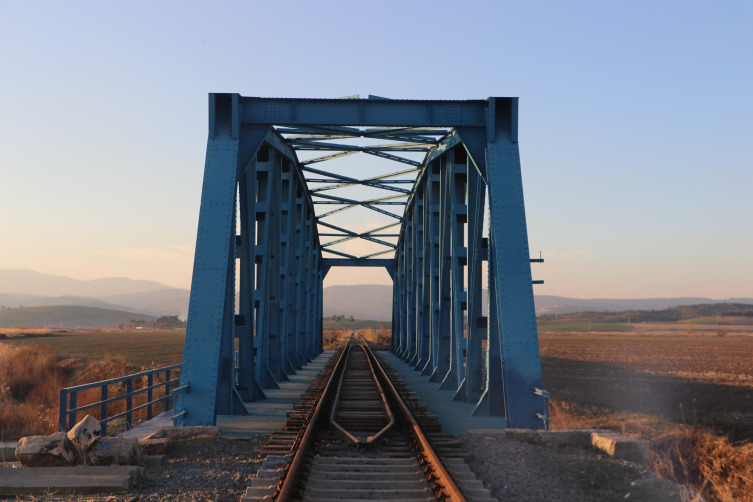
285,199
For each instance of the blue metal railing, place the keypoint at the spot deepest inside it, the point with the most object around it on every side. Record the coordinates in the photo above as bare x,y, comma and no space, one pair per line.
69,398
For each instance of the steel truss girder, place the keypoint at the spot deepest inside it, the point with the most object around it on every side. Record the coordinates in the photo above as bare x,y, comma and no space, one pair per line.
278,328
281,268
430,296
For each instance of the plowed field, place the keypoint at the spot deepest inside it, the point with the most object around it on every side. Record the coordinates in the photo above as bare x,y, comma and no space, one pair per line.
706,380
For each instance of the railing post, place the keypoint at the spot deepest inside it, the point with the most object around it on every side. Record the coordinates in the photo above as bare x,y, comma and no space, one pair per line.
129,404
72,414
149,383
103,412
63,410
167,390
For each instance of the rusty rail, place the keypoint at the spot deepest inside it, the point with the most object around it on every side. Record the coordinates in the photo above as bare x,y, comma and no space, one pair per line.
288,483
442,480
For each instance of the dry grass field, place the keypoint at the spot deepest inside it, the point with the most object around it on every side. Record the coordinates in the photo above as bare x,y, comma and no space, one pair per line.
690,397
36,363
140,348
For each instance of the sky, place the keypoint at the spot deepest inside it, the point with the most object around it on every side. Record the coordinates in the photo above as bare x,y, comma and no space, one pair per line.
636,125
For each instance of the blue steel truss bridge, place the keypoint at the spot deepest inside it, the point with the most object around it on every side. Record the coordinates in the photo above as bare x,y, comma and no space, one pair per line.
444,199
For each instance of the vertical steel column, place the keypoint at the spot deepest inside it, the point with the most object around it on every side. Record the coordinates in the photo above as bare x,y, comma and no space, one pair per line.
444,327
301,271
477,253
287,267
423,313
402,274
311,287
410,284
433,218
277,342
459,257
516,314
317,346
492,401
247,387
397,333
207,356
265,175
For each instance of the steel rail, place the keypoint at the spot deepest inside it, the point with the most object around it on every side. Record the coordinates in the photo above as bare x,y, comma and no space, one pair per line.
371,440
342,432
444,479
295,466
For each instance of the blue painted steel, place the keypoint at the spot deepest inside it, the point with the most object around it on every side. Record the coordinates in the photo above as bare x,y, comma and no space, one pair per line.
471,153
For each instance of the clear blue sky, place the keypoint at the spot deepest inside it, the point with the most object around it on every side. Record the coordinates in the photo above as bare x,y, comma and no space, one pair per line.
636,125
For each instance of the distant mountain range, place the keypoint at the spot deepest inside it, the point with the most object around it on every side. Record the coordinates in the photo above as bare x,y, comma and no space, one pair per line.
374,301
143,298
365,301
29,282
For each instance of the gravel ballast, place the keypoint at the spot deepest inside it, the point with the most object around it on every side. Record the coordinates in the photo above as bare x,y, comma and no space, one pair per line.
198,469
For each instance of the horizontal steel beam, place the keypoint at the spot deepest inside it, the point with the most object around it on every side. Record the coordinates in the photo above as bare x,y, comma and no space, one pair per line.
345,262
363,112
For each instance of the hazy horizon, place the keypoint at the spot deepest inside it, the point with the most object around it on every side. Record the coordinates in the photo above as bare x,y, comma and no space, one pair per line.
634,127
4,289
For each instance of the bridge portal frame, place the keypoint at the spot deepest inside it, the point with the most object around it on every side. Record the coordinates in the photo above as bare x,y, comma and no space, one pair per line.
253,170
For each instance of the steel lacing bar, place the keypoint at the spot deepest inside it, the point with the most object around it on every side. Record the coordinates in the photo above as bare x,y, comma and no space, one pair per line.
324,158
343,200
380,179
393,158
324,180
330,213
315,145
352,131
350,235
327,250
375,254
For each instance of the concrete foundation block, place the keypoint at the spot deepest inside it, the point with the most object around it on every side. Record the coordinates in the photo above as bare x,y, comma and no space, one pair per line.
65,480
153,461
114,450
46,451
155,446
619,446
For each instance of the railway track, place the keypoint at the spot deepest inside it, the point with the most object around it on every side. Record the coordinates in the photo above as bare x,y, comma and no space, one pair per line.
360,433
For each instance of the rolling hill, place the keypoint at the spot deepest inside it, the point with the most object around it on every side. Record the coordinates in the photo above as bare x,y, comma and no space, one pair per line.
374,301
32,289
29,282
67,315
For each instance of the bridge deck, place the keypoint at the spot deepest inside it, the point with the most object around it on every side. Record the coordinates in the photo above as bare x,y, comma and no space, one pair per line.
455,416
267,416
